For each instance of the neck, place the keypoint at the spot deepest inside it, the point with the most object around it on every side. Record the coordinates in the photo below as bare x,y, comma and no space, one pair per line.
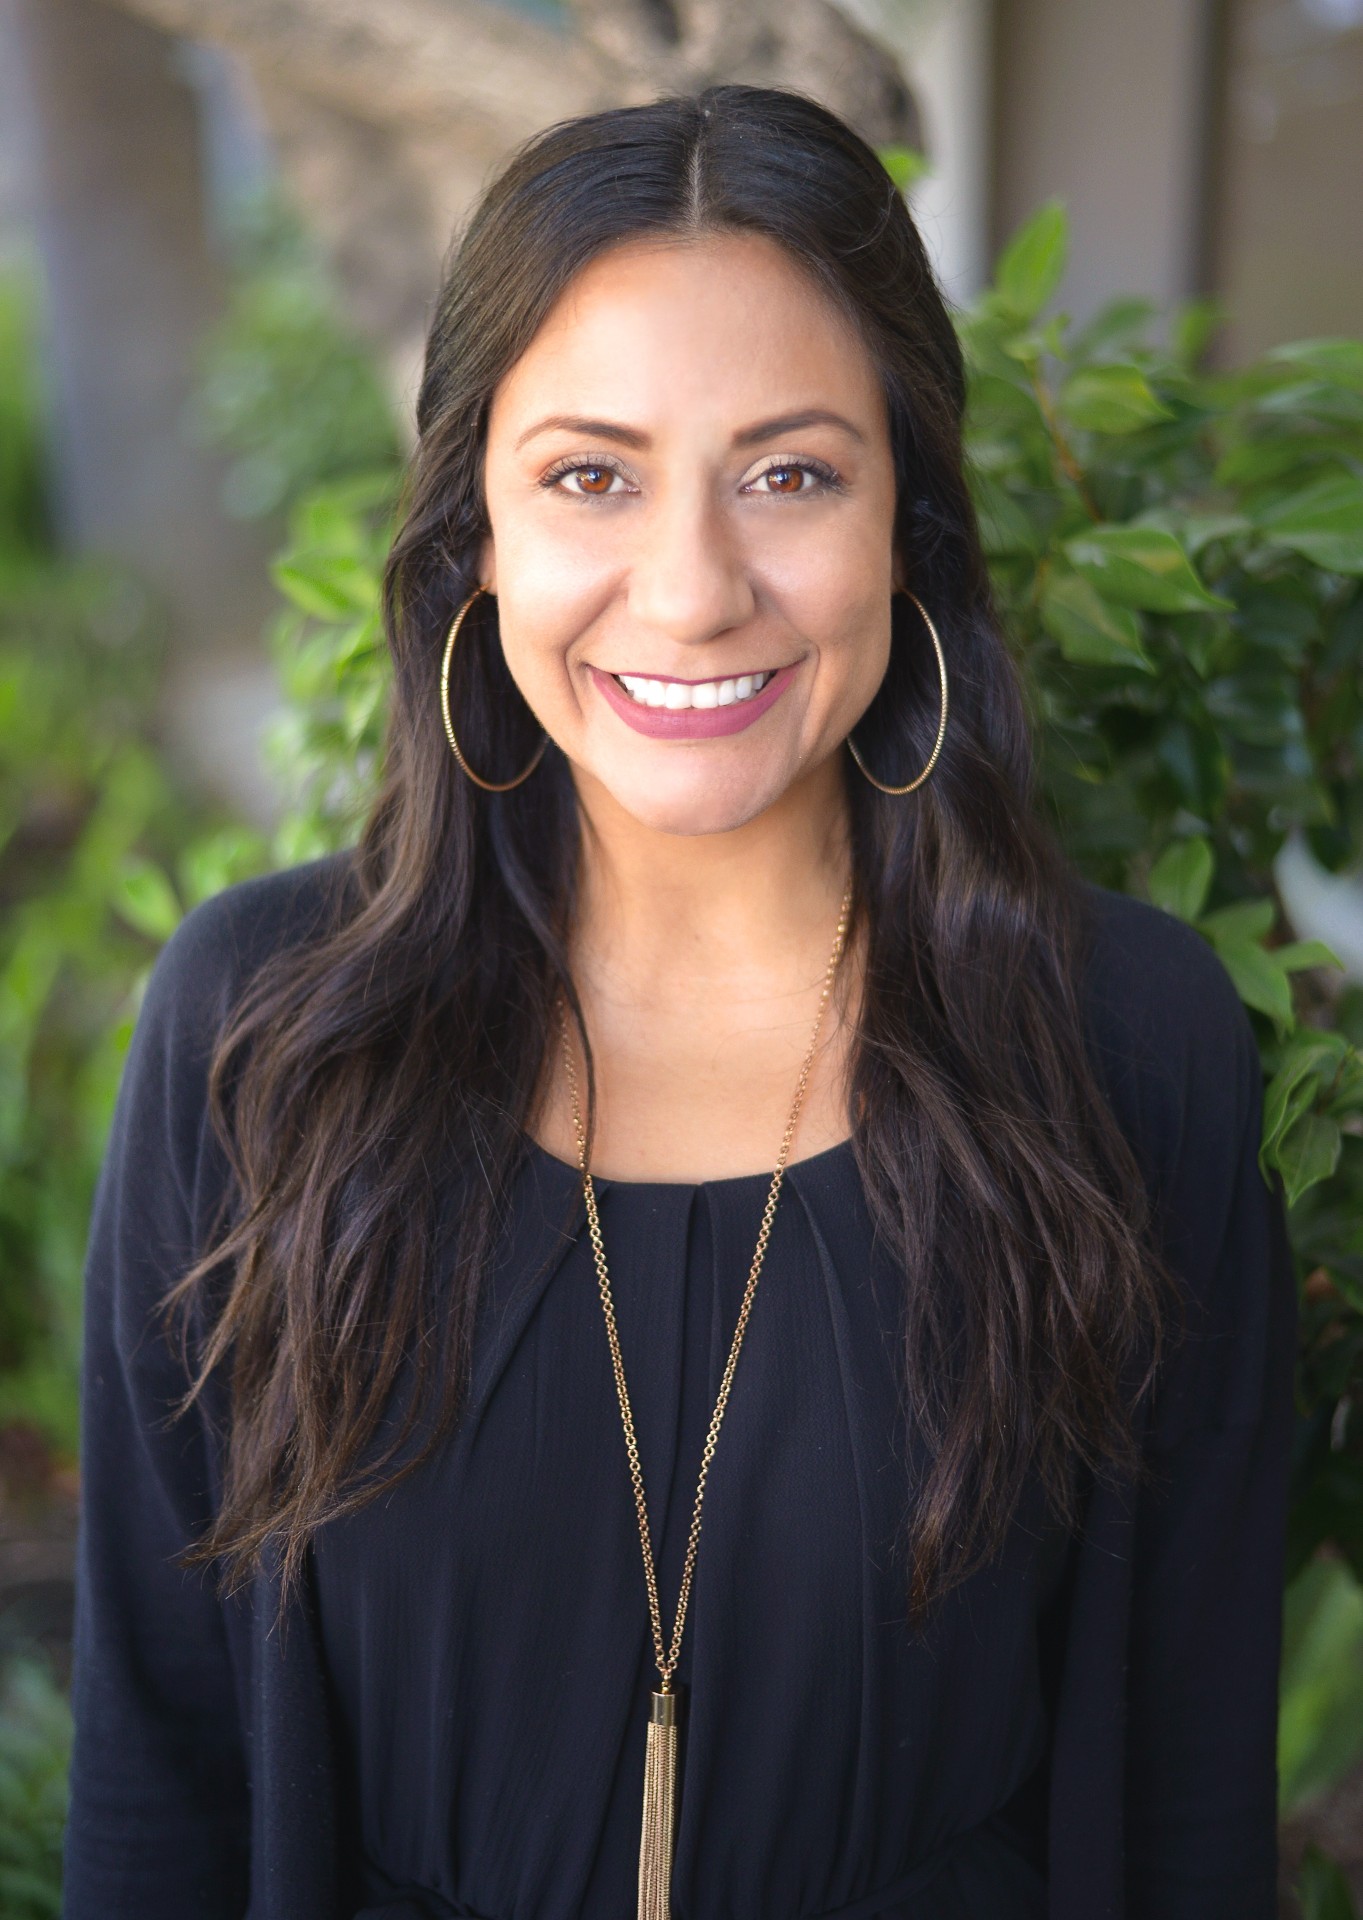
686,916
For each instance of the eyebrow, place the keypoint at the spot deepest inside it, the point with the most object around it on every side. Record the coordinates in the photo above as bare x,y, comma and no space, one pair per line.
748,437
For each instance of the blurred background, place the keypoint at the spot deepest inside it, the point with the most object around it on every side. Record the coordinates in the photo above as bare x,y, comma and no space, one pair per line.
221,227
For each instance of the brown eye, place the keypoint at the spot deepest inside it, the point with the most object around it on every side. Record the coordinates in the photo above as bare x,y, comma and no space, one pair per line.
595,479
785,479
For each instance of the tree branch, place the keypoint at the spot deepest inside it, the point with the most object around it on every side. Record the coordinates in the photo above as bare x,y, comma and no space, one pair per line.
413,63
423,64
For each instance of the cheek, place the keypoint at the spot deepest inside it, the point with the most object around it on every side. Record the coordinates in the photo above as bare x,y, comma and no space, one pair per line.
546,593
847,615
835,590
853,656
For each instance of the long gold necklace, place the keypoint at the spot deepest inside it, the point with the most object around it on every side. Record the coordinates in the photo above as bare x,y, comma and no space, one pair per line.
660,1759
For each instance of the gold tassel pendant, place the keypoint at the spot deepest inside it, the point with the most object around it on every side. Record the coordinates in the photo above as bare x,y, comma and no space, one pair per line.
660,1806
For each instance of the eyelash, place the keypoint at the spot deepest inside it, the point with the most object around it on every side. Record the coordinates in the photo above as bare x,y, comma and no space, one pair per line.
830,481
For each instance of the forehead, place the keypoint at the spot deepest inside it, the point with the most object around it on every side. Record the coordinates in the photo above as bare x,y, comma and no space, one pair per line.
711,328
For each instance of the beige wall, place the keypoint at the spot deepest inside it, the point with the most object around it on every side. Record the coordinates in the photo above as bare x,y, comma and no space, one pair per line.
1288,226
131,281
131,284
1103,103
1202,146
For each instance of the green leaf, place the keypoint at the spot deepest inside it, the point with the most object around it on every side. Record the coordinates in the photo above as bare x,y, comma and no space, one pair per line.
1031,265
1244,920
1032,344
208,865
330,586
1309,1153
146,899
1141,567
1004,525
1111,399
1091,630
1309,1065
903,164
1295,956
345,513
1193,327
1320,1728
1194,531
360,705
1124,321
1259,981
356,644
1181,878
1323,523
1323,1891
1319,400
1339,360
1346,1092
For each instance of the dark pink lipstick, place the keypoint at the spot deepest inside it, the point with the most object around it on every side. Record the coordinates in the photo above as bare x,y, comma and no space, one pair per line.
691,723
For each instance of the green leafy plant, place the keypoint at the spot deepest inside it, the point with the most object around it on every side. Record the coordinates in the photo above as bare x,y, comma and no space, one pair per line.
1322,1890
35,1748
84,804
1320,1733
101,850
1179,556
905,165
284,389
329,647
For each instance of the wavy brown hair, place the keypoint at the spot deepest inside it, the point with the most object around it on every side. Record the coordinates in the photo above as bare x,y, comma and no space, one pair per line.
391,1059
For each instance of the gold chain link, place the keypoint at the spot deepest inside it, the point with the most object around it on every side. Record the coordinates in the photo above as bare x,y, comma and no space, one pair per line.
667,1660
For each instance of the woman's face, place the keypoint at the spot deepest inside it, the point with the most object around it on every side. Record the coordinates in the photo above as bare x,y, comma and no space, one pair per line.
691,497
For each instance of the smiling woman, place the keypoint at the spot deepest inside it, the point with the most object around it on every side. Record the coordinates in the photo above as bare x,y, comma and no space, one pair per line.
686,525
704,1093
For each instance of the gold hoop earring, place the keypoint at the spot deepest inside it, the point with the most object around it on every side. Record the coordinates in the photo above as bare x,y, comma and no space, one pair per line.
941,724
488,786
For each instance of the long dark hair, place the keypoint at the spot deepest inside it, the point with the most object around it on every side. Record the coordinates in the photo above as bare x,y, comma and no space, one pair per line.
399,1048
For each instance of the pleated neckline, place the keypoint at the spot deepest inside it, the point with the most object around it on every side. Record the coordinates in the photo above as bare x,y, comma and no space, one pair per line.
826,1159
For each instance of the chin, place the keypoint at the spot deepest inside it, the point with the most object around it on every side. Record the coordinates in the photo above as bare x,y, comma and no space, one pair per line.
690,808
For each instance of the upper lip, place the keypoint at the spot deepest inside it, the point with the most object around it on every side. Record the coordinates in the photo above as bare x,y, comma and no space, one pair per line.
702,680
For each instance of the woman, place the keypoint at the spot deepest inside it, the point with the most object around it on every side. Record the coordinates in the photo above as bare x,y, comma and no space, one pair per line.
458,1161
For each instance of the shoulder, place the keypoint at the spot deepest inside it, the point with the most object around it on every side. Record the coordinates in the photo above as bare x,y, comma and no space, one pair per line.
1170,1037
1179,1059
1149,978
162,1172
190,992
225,940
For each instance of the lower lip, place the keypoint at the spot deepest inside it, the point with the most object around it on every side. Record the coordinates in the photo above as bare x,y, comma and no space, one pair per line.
691,723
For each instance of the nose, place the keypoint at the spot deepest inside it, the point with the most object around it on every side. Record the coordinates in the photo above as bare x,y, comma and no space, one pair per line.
688,579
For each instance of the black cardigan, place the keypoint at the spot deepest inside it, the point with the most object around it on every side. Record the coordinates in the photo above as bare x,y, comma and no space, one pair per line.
209,1774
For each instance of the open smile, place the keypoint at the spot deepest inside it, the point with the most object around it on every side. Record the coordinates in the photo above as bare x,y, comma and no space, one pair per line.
678,695
692,709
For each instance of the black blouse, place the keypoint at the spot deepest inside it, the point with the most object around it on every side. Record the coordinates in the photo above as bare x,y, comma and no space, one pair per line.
487,1628
452,1721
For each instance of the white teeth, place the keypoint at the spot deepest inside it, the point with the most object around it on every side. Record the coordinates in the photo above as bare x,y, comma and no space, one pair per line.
677,695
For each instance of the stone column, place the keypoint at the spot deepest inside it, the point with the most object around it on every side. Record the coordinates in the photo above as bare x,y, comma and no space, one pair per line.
132,280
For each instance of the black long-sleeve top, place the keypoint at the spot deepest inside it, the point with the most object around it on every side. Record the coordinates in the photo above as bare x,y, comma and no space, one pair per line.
452,1721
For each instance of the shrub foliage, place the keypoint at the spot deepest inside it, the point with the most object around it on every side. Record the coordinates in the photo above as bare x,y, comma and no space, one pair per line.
1178,553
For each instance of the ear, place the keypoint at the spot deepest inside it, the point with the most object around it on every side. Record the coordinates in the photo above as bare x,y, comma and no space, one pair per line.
487,565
